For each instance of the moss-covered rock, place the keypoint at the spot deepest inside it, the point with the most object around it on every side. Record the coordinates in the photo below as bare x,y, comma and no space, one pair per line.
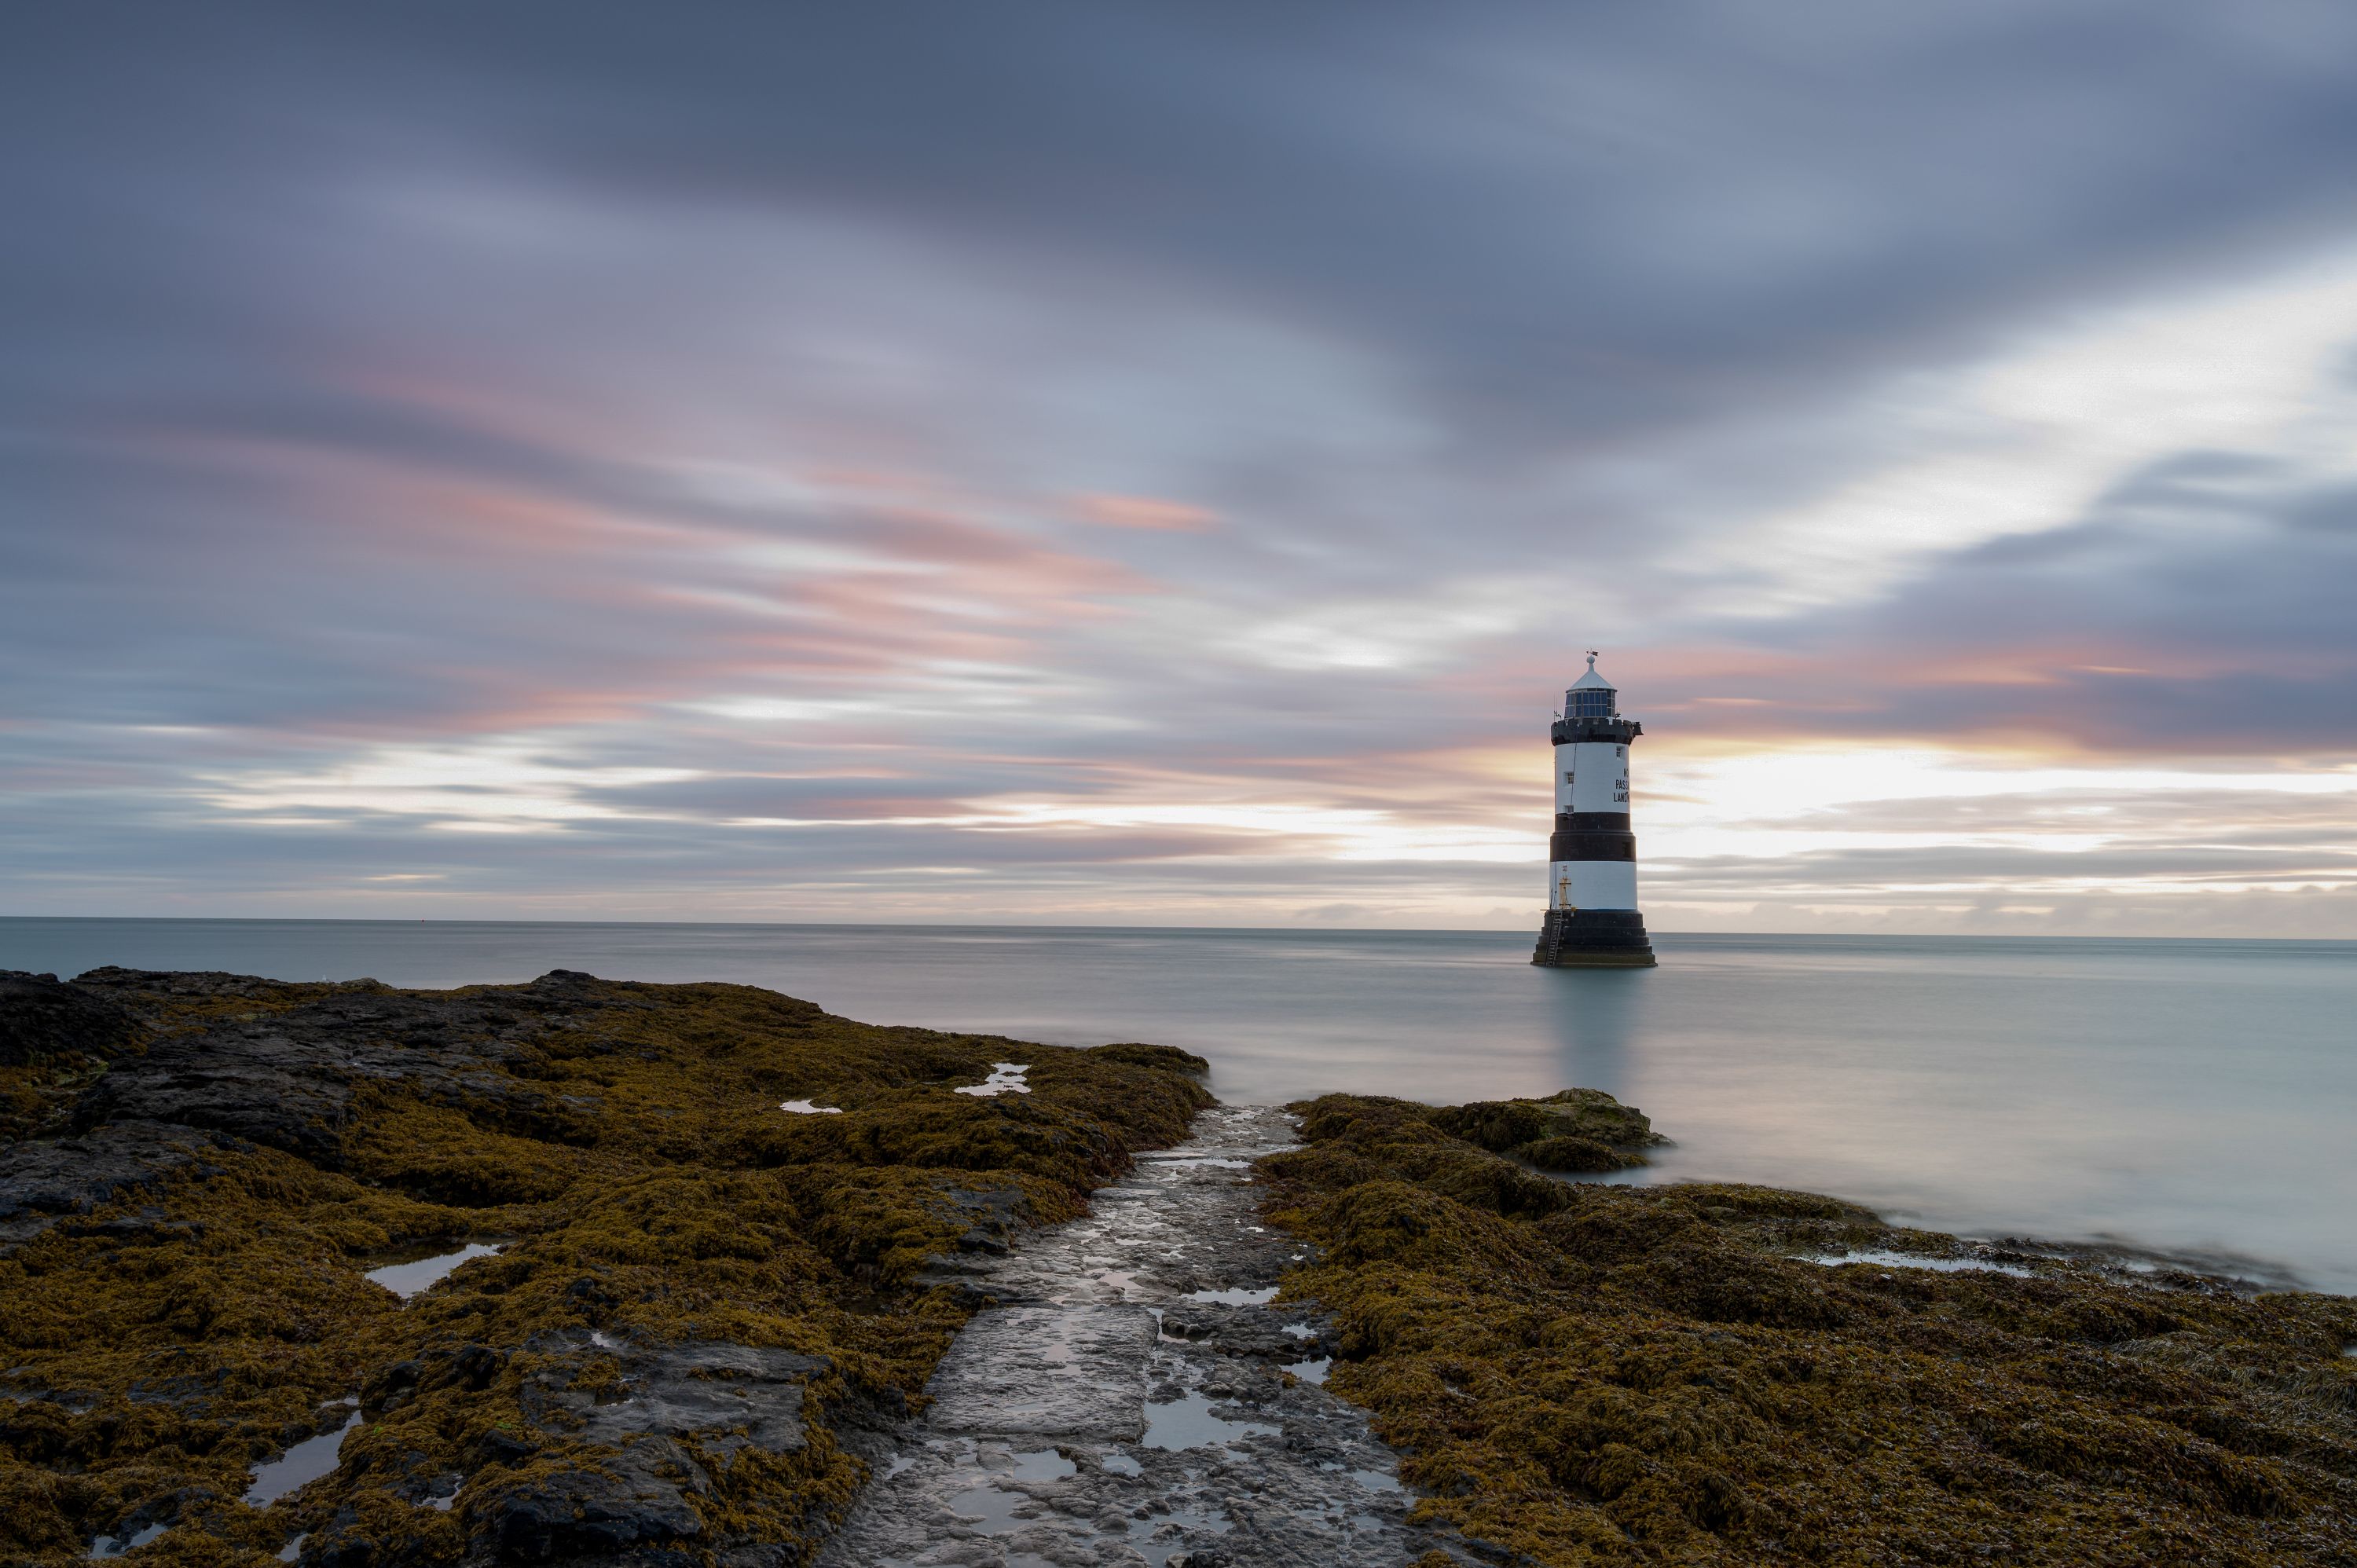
184,1268
1576,1130
1657,1375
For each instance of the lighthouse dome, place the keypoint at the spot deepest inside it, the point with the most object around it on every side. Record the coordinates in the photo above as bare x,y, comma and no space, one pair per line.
1591,696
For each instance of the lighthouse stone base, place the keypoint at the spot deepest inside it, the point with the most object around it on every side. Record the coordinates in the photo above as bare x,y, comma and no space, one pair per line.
1593,938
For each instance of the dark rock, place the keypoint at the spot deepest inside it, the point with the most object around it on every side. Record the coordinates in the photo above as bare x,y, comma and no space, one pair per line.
42,1019
468,1365
148,992
243,1079
630,1492
726,1397
635,1499
286,1079
504,1446
993,1216
475,1366
390,1387
43,1181
187,1392
1246,1330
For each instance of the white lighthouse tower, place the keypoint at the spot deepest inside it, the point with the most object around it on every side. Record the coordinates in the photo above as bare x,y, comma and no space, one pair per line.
1591,918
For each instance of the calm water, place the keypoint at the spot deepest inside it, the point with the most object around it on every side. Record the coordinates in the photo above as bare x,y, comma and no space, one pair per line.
2192,1097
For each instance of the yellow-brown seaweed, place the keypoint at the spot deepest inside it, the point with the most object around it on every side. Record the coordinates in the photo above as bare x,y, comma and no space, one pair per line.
1591,1374
624,1143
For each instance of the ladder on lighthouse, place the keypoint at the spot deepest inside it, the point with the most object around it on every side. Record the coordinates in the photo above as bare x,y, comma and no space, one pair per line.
1551,938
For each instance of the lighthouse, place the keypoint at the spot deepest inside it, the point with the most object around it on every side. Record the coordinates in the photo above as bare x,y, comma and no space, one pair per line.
1591,916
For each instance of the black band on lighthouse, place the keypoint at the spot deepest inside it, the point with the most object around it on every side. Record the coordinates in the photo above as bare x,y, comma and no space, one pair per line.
1619,845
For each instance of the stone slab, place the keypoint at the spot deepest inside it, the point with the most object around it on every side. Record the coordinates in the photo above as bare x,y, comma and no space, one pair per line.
1076,1372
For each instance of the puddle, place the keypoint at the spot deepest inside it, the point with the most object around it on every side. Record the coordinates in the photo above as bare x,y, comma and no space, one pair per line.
996,1508
1377,1481
1311,1372
1005,1078
805,1108
293,1549
117,1545
1238,1296
405,1279
1121,1465
1298,1331
1188,1423
307,1461
1043,1464
1910,1261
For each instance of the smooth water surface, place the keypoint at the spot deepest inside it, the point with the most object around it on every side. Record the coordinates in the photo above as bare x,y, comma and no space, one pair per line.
2195,1097
418,1275
300,1466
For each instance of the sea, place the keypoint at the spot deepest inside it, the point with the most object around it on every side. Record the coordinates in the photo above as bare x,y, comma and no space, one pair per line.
2185,1101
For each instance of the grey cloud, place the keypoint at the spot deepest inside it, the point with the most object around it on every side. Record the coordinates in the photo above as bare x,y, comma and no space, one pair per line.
1402,294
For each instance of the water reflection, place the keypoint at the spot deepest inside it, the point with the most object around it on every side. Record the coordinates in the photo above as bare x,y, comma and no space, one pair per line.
1594,1017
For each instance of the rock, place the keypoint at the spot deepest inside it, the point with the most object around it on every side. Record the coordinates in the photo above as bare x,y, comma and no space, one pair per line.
635,1499
44,1182
1047,1371
1257,1331
239,1080
631,1492
726,1396
42,1019
286,1079
1576,1130
1578,1156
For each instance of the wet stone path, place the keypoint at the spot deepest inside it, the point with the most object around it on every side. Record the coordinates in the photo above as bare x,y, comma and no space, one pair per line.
1133,1399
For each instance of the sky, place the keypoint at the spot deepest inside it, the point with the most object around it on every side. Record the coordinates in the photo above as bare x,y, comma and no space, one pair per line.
1160,465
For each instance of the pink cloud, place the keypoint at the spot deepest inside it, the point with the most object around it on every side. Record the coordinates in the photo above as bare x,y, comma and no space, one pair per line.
1108,510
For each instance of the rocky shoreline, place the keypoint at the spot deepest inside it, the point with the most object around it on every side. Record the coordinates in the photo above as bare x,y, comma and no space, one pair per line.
1583,1373
702,1309
606,1274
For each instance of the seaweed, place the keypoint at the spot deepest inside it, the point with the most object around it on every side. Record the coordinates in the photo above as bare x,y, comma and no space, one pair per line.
191,1297
1663,1374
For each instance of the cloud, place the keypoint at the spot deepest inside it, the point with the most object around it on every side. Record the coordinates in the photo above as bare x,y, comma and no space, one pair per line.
1068,463
1142,511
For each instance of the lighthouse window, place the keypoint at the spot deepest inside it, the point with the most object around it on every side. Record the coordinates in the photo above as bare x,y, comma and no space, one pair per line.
1619,751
